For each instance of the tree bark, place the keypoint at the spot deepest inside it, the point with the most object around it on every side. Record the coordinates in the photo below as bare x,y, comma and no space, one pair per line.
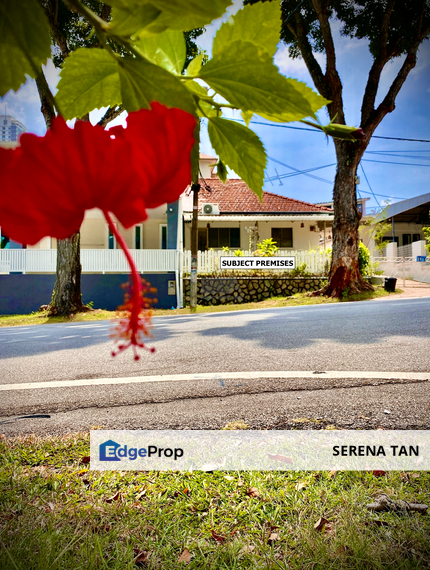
66,297
345,276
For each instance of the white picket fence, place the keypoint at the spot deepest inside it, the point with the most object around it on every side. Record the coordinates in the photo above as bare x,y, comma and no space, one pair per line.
92,260
147,260
208,261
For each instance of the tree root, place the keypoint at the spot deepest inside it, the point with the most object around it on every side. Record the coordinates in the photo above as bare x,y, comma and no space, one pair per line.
81,308
343,283
384,503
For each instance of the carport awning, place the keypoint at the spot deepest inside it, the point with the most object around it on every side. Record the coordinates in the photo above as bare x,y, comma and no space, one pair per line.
263,218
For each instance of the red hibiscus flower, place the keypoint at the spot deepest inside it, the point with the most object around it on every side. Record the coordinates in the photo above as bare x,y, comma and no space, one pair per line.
48,182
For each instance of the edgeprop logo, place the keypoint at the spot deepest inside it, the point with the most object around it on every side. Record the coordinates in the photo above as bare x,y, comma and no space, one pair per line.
112,451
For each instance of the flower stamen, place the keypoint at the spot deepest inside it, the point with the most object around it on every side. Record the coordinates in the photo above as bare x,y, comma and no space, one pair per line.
135,313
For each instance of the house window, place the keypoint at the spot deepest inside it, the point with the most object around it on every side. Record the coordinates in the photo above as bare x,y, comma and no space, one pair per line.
224,237
138,237
202,239
111,240
283,237
406,239
163,236
390,239
4,243
416,237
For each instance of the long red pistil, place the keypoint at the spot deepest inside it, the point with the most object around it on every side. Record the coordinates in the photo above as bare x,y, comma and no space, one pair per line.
134,326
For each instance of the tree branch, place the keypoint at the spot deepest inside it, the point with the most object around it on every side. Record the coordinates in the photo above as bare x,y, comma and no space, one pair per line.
305,47
111,114
56,32
335,108
105,13
388,104
368,104
46,108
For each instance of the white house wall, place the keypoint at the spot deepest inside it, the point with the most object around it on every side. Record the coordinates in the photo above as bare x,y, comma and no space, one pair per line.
303,238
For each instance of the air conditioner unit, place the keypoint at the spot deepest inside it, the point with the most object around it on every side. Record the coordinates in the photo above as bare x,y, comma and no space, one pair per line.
210,210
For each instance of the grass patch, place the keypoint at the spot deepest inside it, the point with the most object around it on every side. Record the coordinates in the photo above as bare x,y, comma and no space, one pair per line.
42,318
55,514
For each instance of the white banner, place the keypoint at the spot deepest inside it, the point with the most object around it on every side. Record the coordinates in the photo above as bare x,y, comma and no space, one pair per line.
195,450
257,262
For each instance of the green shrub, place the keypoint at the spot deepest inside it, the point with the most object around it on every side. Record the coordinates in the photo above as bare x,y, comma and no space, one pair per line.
363,259
266,248
300,271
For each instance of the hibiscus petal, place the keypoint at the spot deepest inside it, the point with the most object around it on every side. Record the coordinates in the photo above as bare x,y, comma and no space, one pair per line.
49,182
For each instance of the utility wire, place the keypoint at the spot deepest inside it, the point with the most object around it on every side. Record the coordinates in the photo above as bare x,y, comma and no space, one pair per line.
391,162
300,171
297,172
383,195
317,131
367,180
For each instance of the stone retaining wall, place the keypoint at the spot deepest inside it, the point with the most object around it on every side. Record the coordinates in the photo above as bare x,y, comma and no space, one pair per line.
220,291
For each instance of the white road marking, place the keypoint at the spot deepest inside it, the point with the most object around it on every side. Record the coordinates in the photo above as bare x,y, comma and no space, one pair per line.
70,336
218,376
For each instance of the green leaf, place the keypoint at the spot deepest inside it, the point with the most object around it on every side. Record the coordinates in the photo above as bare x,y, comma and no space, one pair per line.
241,149
195,65
247,116
143,82
221,170
243,73
89,80
167,50
129,18
204,109
134,17
258,23
25,42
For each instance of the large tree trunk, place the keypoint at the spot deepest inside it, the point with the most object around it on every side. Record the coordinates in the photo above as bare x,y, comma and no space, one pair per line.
344,273
66,297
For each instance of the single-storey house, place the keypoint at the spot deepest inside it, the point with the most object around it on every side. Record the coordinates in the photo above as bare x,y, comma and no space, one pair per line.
231,215
407,219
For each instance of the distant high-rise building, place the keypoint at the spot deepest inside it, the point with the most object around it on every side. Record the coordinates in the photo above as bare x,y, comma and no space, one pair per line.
10,129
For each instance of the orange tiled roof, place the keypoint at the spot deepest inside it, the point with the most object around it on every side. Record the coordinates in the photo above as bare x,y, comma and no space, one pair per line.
235,196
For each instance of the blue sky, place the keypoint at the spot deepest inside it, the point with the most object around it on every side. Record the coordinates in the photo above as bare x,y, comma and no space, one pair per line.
305,150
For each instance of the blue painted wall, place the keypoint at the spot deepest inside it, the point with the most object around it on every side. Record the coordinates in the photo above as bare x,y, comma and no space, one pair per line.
172,225
22,294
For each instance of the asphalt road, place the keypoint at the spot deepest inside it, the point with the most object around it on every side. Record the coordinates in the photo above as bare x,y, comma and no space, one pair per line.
365,337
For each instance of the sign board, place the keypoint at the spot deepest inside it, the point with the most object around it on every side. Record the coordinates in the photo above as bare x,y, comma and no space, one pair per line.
421,257
258,262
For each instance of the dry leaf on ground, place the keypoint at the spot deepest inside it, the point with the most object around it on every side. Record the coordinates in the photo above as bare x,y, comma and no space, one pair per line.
185,556
253,492
378,473
272,538
218,537
343,550
85,459
323,524
301,485
113,498
278,457
141,557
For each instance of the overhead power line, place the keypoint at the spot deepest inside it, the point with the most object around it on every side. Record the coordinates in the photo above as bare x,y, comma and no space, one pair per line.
392,162
297,171
370,188
317,131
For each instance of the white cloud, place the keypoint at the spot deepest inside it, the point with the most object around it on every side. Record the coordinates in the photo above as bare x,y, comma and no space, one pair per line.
296,68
